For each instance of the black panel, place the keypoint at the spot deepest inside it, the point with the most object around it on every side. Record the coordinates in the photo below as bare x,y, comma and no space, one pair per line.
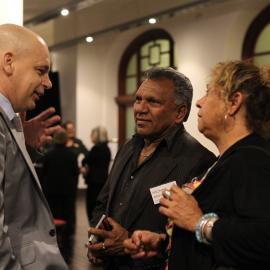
51,98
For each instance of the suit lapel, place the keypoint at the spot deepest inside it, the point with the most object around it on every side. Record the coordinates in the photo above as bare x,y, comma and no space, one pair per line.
25,154
22,147
155,177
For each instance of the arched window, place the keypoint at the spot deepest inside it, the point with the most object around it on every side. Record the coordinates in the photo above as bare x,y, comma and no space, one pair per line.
257,40
152,48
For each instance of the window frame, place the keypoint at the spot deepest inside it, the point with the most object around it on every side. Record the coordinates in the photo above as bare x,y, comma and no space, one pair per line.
253,32
124,101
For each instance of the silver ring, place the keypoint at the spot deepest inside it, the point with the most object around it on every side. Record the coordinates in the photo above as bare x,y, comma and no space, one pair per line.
103,246
167,194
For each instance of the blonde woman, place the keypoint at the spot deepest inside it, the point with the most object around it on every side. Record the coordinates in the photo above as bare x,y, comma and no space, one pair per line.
96,166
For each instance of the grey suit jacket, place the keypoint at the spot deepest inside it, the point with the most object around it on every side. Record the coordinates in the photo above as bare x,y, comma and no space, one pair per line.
27,233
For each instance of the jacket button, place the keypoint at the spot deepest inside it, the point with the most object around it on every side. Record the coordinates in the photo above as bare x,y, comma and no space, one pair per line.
52,233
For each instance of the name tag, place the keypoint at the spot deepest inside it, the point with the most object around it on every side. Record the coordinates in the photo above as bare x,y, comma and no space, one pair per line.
156,192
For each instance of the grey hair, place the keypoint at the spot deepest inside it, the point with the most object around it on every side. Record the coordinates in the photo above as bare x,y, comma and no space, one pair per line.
60,137
101,134
183,90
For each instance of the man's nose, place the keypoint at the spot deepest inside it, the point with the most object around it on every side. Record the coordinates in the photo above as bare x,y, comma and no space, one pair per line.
198,103
46,82
142,107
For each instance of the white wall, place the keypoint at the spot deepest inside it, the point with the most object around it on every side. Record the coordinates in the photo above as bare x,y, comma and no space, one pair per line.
11,12
201,40
96,88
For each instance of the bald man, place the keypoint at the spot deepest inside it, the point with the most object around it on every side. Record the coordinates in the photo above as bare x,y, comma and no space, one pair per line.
27,233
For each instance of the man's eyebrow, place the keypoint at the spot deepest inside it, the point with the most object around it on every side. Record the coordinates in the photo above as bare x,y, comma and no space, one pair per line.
46,68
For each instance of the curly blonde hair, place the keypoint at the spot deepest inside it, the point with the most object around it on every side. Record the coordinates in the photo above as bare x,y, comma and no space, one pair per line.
254,82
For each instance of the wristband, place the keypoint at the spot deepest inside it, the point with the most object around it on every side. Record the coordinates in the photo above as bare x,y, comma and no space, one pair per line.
199,229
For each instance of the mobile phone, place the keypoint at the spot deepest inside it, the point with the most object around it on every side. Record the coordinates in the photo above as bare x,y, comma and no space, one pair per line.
93,238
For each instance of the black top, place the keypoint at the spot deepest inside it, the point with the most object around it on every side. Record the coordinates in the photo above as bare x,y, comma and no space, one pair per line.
237,189
78,147
60,171
98,161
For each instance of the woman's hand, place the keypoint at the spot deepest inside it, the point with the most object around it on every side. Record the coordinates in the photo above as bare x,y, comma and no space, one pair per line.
181,208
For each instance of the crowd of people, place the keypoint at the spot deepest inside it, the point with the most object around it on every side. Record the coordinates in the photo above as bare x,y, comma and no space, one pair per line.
169,202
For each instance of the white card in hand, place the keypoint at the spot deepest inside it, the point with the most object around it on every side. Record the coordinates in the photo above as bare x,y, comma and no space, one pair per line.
156,192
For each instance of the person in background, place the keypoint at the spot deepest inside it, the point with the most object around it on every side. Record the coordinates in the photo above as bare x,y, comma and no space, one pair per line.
160,152
78,148
95,167
60,172
75,144
222,218
27,232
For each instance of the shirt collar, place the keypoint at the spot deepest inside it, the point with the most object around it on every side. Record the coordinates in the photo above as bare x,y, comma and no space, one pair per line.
6,107
168,138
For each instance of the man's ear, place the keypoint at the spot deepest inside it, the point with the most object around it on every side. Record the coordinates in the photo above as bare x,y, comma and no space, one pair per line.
180,114
235,102
7,63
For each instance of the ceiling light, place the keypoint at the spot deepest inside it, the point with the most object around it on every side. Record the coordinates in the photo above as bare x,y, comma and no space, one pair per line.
89,39
64,12
152,20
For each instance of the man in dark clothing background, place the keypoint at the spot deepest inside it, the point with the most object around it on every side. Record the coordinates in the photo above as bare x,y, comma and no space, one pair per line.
60,173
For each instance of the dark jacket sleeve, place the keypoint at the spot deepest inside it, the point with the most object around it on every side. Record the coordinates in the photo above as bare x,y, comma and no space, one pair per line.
82,148
101,204
89,157
244,239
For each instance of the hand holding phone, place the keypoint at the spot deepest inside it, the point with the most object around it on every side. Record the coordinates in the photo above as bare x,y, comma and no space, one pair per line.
93,238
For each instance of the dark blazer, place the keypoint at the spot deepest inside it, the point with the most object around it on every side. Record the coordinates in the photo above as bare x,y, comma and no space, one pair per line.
237,189
97,160
60,171
183,160
78,147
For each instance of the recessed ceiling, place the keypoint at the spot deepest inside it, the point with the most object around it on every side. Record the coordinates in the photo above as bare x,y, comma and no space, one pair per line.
34,8
37,11
101,16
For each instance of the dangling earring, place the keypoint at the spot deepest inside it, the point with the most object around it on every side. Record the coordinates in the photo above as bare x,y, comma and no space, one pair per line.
227,124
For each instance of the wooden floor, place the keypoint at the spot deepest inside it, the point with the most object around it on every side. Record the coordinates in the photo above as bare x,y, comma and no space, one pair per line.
76,251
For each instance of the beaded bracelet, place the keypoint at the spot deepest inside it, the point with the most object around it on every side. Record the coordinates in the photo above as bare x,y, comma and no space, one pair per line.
200,225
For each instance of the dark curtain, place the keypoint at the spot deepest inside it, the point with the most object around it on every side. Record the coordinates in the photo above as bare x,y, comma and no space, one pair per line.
51,98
